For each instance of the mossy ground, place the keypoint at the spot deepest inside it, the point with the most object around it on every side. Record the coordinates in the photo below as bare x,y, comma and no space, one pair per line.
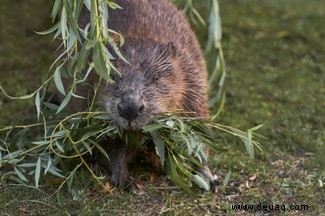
274,52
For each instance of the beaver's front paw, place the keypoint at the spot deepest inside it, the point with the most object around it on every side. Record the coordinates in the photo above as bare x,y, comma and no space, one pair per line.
214,183
213,179
122,179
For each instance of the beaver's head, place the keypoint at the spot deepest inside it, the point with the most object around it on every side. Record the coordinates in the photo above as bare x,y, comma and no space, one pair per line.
149,85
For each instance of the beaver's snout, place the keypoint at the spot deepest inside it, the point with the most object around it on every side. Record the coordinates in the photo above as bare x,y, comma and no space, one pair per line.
130,107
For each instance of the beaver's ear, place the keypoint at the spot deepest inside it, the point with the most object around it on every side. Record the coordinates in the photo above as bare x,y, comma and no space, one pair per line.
169,50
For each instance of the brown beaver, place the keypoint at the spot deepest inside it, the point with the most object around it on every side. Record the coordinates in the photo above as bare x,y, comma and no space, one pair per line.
166,72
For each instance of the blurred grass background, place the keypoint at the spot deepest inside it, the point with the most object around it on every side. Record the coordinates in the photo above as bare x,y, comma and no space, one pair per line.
274,52
24,55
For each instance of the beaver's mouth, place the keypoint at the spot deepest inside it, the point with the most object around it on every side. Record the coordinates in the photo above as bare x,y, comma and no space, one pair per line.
134,125
131,117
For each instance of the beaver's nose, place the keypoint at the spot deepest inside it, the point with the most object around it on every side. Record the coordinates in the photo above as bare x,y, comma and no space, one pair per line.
129,107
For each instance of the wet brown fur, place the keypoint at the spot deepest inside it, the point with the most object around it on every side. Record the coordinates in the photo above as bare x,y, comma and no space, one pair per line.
158,42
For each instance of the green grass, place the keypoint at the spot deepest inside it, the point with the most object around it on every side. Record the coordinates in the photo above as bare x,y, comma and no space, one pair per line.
274,52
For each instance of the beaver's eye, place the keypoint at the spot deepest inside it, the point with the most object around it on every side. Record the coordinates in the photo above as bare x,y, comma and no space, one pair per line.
153,79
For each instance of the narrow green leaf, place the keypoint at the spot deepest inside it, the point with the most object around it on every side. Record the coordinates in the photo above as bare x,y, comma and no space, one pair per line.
121,38
49,163
72,40
109,56
20,174
86,145
99,62
198,16
87,4
58,31
160,146
182,126
61,149
58,81
27,165
38,104
173,174
50,30
93,14
90,44
13,155
51,106
201,182
19,97
63,25
64,102
82,58
181,163
41,142
52,169
55,9
59,134
101,149
71,20
113,5
78,9
78,96
90,67
117,51
37,172
104,18
191,144
71,64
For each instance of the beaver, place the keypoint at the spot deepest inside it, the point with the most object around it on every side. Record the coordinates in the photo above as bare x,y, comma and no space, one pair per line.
165,72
